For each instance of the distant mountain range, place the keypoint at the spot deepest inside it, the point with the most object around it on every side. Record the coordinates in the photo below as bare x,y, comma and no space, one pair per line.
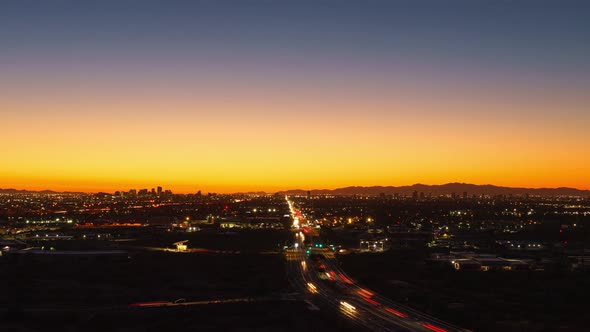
444,189
434,190
23,191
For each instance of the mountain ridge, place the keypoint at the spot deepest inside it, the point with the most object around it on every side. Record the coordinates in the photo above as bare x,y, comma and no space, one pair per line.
436,190
443,189
25,191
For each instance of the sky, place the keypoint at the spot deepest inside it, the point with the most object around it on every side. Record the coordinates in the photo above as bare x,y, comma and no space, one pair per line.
227,96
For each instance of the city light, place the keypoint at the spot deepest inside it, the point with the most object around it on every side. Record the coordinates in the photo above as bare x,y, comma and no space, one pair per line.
309,165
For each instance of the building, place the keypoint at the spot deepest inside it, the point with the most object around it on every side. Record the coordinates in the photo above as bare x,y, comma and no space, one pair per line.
9,245
579,263
252,223
375,244
480,262
466,264
181,246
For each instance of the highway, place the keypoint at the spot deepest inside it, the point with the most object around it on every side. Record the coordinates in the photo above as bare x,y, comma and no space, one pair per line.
327,287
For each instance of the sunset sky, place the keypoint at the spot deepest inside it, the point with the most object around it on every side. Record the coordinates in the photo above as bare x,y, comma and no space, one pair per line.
226,96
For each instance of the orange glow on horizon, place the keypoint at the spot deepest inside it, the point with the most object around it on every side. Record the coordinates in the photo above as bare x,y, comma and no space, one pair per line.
222,97
255,143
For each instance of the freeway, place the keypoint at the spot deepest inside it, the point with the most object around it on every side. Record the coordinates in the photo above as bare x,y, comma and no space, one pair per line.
326,286
156,304
183,302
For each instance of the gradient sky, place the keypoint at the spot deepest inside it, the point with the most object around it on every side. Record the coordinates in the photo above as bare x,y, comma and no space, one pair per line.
242,95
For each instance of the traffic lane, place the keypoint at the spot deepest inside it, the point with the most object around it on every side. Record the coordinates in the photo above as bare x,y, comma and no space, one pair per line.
325,297
362,312
370,315
426,323
365,314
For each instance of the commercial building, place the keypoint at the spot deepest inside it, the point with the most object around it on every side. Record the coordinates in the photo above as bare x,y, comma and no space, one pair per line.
480,262
375,244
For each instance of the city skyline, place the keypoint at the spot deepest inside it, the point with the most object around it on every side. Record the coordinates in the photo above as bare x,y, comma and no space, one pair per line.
234,96
445,189
294,165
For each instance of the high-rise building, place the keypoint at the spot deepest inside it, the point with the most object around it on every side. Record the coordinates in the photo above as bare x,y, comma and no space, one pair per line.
159,191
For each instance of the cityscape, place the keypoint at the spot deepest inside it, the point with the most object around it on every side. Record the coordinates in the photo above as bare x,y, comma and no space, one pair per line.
294,166
381,262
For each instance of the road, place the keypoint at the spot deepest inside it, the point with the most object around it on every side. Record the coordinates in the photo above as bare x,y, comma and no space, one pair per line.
327,287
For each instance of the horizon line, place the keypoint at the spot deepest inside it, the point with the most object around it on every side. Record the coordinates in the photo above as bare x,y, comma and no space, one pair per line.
297,189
